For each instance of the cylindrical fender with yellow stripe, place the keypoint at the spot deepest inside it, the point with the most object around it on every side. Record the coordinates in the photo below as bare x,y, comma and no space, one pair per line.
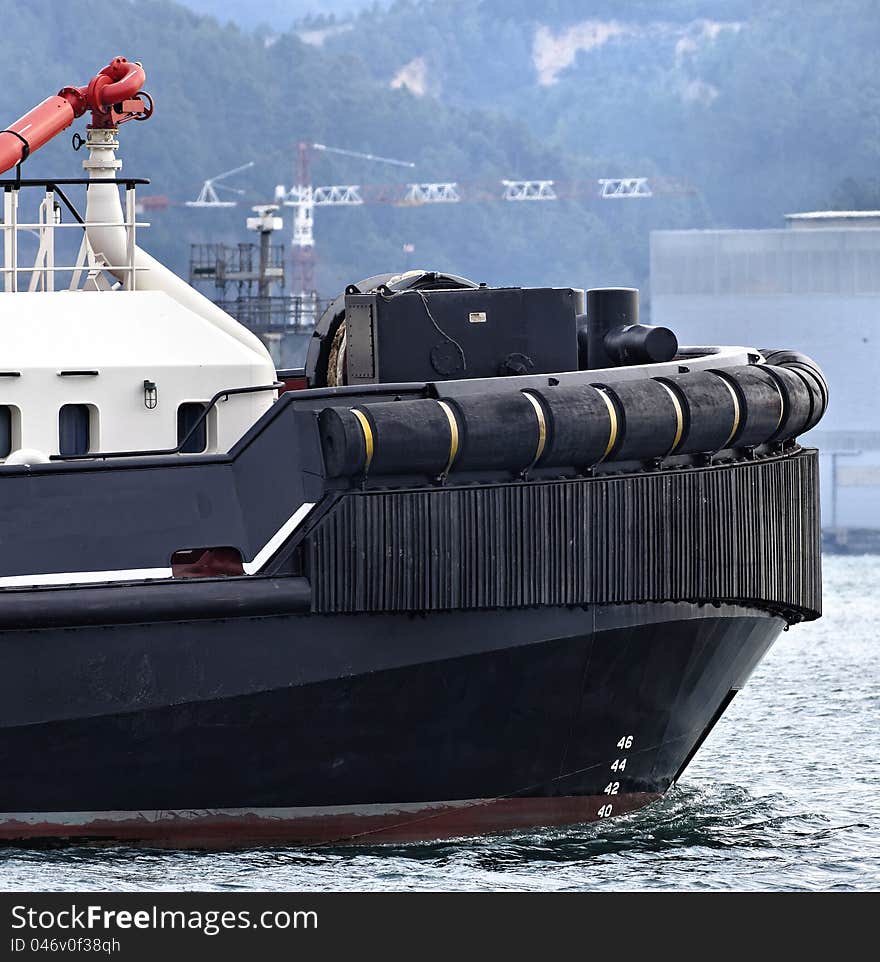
576,426
710,411
760,400
389,437
650,419
581,425
497,431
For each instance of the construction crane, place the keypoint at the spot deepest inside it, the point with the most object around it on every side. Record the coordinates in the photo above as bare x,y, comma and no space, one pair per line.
304,198
275,315
208,194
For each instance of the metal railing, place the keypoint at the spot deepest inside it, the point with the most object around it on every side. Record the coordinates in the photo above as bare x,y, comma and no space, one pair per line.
241,264
286,313
44,271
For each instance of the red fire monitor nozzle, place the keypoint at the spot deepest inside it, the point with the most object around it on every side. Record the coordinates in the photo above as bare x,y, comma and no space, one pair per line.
113,96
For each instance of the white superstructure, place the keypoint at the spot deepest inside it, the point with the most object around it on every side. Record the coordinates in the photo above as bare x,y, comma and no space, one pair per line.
113,352
67,348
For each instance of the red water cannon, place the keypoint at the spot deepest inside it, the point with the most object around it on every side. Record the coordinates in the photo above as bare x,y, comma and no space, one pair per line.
114,96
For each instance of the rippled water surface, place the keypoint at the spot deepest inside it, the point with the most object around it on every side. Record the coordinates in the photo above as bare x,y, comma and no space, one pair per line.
782,795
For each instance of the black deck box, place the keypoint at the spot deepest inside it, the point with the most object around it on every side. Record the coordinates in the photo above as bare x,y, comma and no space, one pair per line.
445,335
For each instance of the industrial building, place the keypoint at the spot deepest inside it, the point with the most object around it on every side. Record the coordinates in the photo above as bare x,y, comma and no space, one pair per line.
813,285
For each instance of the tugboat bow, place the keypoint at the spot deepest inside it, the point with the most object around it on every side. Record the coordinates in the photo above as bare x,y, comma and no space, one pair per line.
496,558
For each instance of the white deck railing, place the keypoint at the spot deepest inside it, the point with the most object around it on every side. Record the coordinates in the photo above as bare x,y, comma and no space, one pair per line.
44,271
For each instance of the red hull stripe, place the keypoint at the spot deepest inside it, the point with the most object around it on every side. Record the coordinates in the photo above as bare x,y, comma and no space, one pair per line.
355,824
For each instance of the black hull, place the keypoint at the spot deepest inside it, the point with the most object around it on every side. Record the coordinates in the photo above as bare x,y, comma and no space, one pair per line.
305,728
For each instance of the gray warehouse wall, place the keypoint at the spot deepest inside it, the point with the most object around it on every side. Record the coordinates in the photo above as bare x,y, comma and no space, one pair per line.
711,287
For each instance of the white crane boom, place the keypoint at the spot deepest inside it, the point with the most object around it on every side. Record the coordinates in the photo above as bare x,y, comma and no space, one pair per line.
625,187
431,193
208,194
518,190
362,156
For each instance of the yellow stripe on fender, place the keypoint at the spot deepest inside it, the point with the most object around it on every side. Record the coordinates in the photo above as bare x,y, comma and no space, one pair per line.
368,436
612,414
453,435
679,415
542,427
736,411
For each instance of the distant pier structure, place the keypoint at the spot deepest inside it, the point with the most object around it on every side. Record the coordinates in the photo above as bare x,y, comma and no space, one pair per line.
248,281
814,283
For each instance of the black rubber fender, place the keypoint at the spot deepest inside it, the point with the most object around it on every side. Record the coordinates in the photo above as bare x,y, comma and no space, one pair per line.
810,373
579,425
342,443
497,431
710,411
760,403
650,419
797,402
818,394
411,437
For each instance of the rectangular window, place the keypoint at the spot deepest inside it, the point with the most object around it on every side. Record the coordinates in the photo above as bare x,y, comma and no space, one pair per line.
74,429
187,415
5,430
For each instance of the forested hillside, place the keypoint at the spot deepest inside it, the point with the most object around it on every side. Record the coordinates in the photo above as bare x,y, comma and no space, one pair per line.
764,108
278,14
